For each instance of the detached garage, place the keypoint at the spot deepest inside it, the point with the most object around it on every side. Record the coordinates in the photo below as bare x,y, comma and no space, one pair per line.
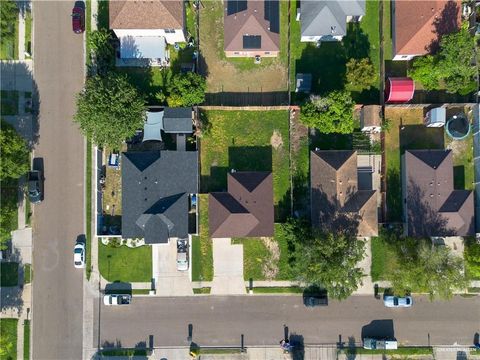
399,90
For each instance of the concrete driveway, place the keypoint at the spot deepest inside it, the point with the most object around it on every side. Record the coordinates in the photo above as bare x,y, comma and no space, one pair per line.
168,280
227,268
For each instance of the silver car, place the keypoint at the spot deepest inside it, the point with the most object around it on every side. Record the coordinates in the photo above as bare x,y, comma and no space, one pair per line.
182,254
395,301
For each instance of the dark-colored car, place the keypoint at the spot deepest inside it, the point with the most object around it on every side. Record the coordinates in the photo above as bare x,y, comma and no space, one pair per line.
35,186
78,17
315,296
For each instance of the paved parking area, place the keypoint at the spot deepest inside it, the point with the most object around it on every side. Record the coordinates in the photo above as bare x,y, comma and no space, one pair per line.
168,280
227,268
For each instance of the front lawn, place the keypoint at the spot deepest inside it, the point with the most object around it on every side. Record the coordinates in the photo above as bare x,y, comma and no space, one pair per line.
125,264
8,338
9,274
383,258
9,102
202,253
9,47
472,259
246,140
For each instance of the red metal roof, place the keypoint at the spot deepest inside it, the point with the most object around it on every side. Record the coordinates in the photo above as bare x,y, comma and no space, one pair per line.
399,90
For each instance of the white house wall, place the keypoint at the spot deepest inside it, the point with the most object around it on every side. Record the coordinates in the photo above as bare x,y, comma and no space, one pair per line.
171,38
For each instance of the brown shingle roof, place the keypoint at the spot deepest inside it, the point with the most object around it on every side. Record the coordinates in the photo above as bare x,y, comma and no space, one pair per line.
246,210
250,21
152,14
433,207
334,193
418,24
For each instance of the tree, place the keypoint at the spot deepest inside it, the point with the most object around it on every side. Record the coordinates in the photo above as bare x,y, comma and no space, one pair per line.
102,51
6,346
14,161
332,113
361,74
431,269
327,260
8,16
186,90
451,67
109,110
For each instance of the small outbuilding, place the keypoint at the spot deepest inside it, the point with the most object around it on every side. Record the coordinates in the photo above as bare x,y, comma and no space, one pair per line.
436,117
371,118
304,83
399,90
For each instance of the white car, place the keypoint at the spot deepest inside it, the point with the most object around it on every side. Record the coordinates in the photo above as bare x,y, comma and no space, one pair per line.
394,301
117,299
79,255
182,254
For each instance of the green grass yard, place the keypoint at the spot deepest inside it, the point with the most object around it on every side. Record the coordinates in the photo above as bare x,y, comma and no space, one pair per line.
28,33
125,264
26,340
9,102
202,255
8,335
9,47
9,274
28,274
278,290
246,140
150,81
387,30
383,258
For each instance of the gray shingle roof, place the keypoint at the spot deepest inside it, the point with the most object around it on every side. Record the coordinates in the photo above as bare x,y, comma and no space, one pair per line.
323,18
177,120
155,194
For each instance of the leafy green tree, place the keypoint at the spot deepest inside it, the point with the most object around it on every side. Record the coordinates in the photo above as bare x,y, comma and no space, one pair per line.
14,161
431,269
102,51
472,257
109,110
332,113
8,16
8,211
326,260
361,74
6,346
186,90
425,70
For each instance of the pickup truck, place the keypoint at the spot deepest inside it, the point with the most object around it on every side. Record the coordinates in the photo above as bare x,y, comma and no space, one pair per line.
379,344
117,299
35,186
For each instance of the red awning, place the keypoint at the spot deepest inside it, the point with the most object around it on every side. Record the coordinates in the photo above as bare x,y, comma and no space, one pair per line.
399,90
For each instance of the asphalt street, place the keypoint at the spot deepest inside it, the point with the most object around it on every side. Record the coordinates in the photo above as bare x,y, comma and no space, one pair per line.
217,320
59,220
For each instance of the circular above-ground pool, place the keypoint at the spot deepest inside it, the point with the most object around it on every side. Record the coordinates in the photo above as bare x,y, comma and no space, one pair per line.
458,127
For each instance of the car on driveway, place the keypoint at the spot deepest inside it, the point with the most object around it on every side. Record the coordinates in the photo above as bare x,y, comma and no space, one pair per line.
395,301
182,254
35,186
79,255
78,17
117,299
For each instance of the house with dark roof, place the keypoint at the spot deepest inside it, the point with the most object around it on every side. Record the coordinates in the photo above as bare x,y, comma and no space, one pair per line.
176,121
246,209
251,28
326,20
417,26
144,27
432,206
157,188
337,202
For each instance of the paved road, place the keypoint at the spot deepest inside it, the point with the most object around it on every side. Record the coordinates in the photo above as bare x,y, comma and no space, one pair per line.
57,286
222,320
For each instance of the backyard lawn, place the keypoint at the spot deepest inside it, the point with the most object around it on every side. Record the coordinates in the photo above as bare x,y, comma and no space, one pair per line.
125,264
149,81
202,255
8,274
246,140
8,336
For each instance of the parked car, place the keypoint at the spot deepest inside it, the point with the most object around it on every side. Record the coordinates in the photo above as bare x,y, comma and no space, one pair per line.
182,254
35,186
78,17
379,344
79,255
315,296
395,301
117,299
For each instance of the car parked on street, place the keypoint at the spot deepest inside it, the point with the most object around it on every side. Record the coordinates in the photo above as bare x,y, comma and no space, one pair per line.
78,17
79,255
182,254
35,186
395,301
117,299
315,296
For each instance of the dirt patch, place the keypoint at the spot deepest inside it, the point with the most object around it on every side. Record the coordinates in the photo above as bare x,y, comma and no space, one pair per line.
298,131
270,266
276,140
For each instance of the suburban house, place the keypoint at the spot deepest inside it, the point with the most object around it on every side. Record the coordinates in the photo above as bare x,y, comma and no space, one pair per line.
432,207
246,209
326,20
341,198
177,121
144,28
252,28
417,26
158,195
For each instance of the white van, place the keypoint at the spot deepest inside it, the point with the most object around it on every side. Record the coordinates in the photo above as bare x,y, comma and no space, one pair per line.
379,344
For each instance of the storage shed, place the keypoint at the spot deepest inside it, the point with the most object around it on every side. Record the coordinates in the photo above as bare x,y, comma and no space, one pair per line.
399,90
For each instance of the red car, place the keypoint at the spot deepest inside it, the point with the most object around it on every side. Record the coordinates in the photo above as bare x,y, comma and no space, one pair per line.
78,17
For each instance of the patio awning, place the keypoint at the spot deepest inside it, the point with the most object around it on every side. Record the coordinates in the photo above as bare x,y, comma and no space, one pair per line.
152,130
399,90
142,47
